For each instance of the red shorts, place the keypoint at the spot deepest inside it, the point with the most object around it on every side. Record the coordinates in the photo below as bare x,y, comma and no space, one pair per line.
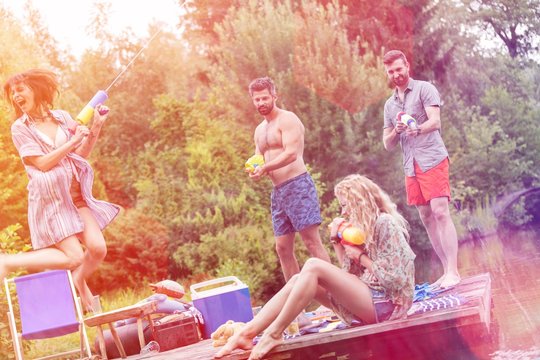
428,185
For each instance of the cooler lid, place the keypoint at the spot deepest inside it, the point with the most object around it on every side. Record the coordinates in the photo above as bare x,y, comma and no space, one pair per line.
216,287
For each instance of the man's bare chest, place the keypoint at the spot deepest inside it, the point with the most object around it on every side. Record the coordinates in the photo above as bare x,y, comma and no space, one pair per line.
269,138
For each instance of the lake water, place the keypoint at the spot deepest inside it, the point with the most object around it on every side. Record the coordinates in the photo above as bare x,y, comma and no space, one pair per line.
513,260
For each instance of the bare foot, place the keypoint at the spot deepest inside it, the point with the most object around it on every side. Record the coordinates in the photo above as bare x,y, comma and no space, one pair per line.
89,297
84,293
237,341
437,283
449,281
265,345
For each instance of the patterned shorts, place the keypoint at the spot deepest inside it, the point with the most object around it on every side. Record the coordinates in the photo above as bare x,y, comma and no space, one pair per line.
295,205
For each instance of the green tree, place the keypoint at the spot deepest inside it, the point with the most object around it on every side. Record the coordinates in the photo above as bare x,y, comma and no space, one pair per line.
345,72
19,51
131,99
13,197
323,84
43,39
202,16
243,251
137,253
516,23
383,24
494,144
10,242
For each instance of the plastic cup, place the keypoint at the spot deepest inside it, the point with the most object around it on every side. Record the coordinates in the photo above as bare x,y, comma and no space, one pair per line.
151,348
293,330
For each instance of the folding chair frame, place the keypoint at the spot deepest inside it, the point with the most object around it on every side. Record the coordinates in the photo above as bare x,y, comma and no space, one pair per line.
17,337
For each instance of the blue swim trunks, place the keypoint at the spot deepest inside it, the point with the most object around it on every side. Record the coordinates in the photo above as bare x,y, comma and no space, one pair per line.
295,205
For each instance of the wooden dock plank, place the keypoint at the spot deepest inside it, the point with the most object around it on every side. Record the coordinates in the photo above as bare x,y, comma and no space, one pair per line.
475,313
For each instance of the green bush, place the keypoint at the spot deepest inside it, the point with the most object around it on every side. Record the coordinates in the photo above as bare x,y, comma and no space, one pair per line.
137,252
247,253
9,243
476,221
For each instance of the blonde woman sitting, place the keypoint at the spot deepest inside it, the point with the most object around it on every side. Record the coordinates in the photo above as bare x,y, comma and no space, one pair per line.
375,282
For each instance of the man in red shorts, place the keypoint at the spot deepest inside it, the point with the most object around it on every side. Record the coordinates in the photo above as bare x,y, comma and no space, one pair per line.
425,158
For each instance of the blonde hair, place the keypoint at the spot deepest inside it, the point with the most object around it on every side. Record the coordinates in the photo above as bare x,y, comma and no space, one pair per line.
367,201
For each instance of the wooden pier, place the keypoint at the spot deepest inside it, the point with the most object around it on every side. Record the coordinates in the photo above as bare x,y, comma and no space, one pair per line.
461,332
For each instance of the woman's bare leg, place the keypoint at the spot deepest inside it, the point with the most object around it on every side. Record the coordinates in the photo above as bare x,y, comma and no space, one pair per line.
68,254
96,250
346,288
268,313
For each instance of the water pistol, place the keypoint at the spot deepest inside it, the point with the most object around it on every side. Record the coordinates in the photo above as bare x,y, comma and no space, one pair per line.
253,162
350,235
87,112
101,96
407,120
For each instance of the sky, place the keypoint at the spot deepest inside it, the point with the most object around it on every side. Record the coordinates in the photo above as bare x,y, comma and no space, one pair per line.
67,20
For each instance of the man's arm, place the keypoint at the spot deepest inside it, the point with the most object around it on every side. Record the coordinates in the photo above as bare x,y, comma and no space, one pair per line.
391,132
390,137
256,135
434,120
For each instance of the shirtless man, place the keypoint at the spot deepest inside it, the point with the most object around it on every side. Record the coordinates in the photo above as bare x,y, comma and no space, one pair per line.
295,205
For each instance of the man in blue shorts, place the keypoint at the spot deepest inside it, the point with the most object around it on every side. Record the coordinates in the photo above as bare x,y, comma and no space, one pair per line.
295,204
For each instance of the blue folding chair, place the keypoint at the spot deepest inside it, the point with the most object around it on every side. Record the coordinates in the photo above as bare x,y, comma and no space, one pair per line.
48,307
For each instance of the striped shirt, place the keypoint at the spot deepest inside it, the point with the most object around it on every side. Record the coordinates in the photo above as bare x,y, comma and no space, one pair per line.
52,216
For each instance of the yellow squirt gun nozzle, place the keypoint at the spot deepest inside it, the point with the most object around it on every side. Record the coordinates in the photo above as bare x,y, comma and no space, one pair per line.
87,112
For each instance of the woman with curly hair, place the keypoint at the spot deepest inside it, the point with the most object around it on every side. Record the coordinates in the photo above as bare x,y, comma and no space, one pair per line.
65,220
375,282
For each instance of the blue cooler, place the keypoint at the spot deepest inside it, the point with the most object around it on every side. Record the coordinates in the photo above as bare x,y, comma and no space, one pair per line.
223,299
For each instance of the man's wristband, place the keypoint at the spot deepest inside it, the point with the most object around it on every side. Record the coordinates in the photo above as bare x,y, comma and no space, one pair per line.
334,239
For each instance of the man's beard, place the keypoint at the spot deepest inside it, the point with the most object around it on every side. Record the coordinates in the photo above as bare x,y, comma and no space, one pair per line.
265,110
401,81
